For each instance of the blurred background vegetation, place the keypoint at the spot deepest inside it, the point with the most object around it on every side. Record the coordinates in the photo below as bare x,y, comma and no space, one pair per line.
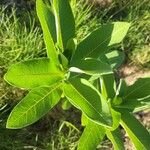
21,38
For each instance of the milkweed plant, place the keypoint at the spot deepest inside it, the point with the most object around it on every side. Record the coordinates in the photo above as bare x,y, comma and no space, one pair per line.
81,74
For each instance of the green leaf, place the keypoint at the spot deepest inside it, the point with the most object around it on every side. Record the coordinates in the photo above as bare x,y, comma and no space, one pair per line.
116,119
85,97
71,45
134,91
98,41
63,60
47,21
92,67
121,88
70,48
84,120
115,58
34,106
120,30
108,86
116,116
92,135
135,130
64,21
116,139
34,73
134,104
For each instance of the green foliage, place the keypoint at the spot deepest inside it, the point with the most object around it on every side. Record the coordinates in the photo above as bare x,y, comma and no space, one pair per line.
93,134
116,138
137,133
136,43
34,73
132,97
101,39
92,67
84,96
65,22
84,78
38,100
47,20
116,58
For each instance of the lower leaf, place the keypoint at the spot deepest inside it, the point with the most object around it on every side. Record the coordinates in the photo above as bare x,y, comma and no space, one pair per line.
92,135
116,139
136,131
35,105
84,96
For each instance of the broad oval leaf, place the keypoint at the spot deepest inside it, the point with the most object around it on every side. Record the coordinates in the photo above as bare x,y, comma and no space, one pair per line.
98,41
35,105
65,23
116,139
120,30
47,21
92,67
91,137
85,97
135,130
34,73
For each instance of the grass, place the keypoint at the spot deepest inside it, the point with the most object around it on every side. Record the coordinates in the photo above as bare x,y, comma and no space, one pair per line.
140,40
40,136
19,40
84,19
